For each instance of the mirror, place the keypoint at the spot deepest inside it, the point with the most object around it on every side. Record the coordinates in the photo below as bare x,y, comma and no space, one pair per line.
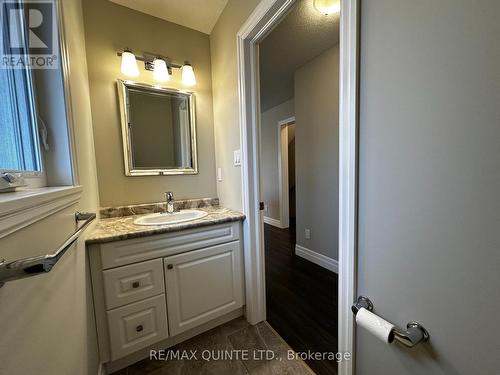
158,130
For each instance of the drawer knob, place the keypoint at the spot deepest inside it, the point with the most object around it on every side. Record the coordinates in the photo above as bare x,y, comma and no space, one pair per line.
139,328
136,284
170,266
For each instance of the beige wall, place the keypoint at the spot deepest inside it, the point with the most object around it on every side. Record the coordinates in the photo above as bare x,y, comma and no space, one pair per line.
109,28
269,156
48,321
316,150
225,93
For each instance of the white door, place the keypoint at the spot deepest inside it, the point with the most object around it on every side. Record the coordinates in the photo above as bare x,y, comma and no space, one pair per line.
203,285
429,183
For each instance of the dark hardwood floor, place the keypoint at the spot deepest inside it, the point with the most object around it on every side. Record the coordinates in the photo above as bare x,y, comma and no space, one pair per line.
301,299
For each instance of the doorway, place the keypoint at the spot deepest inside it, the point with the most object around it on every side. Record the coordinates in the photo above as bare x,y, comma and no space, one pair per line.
287,161
264,19
299,175
279,198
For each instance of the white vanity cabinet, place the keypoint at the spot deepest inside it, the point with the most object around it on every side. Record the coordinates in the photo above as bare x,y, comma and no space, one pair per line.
164,288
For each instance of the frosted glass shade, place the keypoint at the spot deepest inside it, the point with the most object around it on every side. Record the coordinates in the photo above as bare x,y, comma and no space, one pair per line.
129,64
188,78
327,6
160,72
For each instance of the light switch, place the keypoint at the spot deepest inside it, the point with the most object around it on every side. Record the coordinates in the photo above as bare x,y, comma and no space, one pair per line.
237,158
219,174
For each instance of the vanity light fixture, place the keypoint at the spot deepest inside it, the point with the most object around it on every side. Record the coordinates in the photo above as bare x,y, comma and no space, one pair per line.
327,6
160,70
161,67
129,64
188,78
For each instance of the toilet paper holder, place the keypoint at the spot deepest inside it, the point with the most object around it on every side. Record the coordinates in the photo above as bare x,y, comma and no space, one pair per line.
414,334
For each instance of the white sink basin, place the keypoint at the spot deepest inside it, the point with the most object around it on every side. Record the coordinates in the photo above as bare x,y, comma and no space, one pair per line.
173,218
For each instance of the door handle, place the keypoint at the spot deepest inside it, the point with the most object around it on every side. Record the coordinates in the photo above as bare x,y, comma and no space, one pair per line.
414,334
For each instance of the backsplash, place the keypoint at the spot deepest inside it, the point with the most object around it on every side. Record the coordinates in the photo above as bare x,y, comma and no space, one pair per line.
148,208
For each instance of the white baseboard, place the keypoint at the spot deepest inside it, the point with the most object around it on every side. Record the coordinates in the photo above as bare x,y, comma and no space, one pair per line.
273,222
317,258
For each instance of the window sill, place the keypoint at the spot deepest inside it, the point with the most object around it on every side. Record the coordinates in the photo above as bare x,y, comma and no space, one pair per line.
27,206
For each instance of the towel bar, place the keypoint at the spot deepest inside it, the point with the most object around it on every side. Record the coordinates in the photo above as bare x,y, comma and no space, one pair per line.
27,267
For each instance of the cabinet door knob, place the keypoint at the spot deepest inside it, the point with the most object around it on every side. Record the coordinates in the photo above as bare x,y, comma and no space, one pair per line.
170,266
139,328
136,284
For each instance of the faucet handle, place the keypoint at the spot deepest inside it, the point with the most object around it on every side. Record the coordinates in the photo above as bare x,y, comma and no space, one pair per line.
169,196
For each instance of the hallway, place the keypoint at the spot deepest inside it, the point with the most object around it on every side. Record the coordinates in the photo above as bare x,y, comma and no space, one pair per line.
301,299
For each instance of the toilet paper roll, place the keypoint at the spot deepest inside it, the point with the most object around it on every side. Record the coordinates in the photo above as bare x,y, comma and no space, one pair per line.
379,327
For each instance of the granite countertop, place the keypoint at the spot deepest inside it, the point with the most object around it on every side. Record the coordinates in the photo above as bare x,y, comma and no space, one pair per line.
123,227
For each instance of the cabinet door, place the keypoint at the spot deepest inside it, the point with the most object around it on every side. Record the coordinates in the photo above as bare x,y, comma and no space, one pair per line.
203,285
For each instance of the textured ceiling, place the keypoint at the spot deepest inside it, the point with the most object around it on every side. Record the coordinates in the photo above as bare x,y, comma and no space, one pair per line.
302,35
199,15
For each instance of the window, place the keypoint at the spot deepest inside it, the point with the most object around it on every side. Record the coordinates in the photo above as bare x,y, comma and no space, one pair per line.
19,146
30,98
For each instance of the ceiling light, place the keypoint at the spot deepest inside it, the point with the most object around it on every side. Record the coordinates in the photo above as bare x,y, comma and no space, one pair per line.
327,6
160,70
129,64
188,78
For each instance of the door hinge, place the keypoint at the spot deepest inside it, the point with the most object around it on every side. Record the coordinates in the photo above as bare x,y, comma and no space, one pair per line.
261,206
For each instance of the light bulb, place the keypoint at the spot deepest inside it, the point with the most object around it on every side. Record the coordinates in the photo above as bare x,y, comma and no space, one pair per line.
129,64
160,71
327,6
188,78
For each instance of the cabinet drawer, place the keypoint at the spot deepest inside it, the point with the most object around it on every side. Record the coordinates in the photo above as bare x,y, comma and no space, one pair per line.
203,285
137,326
130,251
132,283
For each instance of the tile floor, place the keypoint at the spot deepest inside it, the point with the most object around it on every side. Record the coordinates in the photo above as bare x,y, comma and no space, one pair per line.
236,335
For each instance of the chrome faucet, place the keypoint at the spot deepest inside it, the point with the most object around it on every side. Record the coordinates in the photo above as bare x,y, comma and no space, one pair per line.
169,197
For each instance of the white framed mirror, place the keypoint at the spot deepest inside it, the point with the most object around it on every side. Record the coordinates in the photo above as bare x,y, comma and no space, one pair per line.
158,130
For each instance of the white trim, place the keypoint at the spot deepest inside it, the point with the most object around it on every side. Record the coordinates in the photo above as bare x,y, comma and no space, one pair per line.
274,222
24,207
283,184
348,148
317,258
287,121
66,75
260,22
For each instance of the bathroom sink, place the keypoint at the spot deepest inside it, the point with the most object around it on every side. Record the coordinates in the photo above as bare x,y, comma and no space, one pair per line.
173,218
